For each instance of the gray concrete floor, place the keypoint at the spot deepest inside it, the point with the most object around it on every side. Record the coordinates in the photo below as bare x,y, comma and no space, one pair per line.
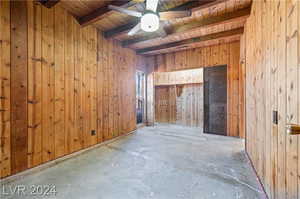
161,162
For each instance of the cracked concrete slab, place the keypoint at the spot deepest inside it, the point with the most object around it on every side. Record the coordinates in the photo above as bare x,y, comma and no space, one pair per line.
160,162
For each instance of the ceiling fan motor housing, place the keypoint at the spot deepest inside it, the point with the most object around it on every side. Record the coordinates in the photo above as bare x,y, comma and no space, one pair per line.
150,21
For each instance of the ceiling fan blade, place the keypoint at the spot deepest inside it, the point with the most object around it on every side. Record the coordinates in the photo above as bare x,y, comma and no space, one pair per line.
151,5
135,29
174,14
125,11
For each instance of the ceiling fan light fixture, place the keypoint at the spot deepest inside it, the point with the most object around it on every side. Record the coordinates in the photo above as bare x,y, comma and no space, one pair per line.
150,22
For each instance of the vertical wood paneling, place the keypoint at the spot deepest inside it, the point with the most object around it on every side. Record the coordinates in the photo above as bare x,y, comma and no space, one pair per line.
105,54
180,104
110,89
298,8
69,86
115,86
150,99
77,82
93,77
19,142
78,88
48,76
59,60
242,76
281,56
100,87
271,90
34,84
292,97
86,113
5,96
232,90
272,84
225,54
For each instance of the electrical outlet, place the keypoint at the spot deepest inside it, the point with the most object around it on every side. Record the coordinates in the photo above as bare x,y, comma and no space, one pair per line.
275,117
93,132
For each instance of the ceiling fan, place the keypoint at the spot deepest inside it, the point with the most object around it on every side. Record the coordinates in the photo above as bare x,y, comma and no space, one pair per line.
150,18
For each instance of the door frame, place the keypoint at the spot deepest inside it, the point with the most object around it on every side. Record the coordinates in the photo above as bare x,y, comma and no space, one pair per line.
142,97
205,119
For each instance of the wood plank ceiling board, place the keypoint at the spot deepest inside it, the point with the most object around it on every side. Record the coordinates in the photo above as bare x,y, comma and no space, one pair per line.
168,25
192,29
79,8
219,8
103,12
123,29
117,19
208,40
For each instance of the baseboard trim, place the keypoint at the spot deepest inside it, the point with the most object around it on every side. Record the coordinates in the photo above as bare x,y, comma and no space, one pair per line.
52,163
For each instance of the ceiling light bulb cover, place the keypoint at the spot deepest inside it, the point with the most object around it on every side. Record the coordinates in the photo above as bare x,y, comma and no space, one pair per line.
150,22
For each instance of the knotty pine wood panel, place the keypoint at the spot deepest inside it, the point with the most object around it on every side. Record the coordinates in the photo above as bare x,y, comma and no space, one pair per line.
77,82
150,99
272,84
162,100
5,93
224,54
19,138
179,104
48,78
34,84
59,81
189,105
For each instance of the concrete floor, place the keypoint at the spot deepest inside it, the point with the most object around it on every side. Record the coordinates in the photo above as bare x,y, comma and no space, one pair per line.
161,162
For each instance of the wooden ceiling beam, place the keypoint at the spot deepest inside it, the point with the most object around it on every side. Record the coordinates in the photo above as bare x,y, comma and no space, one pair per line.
214,42
180,45
190,5
48,3
102,12
194,25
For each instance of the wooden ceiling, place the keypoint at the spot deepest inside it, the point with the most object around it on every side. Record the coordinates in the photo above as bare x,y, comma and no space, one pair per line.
212,22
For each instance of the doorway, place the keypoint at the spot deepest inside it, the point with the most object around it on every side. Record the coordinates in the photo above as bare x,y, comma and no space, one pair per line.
215,100
140,97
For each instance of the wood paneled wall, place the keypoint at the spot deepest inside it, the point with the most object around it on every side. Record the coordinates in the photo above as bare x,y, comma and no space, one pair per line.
224,54
179,104
58,83
272,54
